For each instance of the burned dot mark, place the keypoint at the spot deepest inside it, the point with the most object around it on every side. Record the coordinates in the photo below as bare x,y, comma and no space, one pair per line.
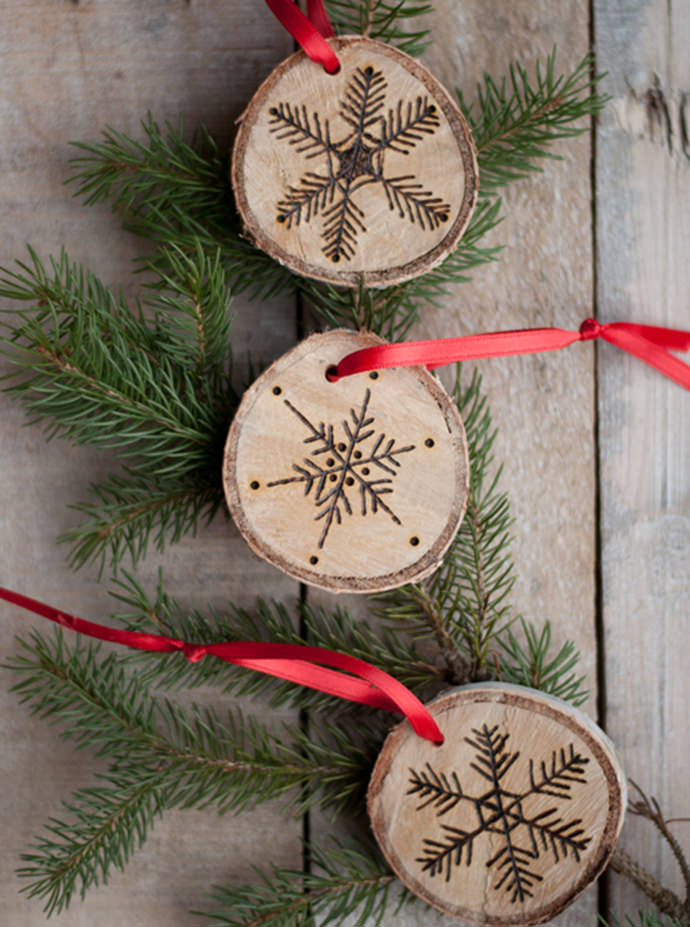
374,375
414,541
255,484
342,447
357,455
350,481
333,477
313,560
429,442
366,471
277,390
330,462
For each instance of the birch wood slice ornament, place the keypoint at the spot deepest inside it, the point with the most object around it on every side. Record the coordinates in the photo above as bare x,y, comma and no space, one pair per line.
353,486
368,174
511,818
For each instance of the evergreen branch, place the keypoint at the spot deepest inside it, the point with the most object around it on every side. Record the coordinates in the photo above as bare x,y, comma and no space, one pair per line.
389,21
465,600
100,376
108,822
231,765
663,898
531,665
132,512
644,919
514,121
270,621
177,194
348,883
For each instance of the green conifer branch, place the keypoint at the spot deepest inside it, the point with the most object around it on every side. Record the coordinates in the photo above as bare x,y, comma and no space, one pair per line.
230,764
268,621
515,121
105,825
129,513
390,21
529,662
464,604
349,884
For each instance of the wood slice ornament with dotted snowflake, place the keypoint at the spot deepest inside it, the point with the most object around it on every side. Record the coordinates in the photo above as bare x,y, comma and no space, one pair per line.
354,486
514,815
368,174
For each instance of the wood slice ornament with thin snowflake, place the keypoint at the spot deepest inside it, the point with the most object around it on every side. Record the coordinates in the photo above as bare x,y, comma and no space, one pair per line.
354,486
514,815
368,174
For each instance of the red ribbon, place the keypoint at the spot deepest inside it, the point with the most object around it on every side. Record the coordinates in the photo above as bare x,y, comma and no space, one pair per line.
306,666
648,342
310,31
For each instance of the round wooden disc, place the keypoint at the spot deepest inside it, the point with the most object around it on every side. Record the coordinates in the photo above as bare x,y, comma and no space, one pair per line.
354,486
514,815
368,173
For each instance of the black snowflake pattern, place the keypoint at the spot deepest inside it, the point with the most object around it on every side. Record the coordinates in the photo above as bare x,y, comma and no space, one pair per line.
525,835
340,464
356,161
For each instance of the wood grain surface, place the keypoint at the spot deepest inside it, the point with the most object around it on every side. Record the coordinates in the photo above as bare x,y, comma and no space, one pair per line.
68,68
354,486
511,818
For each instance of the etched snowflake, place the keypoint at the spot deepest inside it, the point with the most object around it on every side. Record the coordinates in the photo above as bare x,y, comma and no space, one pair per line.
524,834
356,161
342,464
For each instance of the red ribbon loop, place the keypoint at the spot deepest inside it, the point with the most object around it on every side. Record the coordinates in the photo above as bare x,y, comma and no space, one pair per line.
649,343
310,31
348,677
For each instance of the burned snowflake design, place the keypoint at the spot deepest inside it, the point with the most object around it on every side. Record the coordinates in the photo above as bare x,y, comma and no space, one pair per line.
356,161
524,834
342,467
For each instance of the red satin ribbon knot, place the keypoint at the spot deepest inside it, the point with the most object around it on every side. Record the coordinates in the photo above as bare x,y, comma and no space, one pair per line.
310,31
314,667
649,343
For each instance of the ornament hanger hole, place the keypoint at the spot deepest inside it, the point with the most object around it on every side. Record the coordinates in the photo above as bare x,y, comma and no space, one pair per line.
332,373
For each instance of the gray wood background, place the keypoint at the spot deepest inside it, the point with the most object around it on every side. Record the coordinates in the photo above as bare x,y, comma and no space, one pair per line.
595,445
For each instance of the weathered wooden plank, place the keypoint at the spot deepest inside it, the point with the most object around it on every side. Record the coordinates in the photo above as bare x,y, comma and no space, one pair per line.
543,405
643,231
67,69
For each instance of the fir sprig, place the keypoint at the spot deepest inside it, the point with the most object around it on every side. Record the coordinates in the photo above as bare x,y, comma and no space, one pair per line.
390,21
515,120
348,883
154,386
530,663
464,605
333,629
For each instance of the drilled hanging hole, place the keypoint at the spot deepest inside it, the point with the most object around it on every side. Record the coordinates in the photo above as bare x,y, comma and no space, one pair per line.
429,442
414,541
313,560
255,484
277,390
331,373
